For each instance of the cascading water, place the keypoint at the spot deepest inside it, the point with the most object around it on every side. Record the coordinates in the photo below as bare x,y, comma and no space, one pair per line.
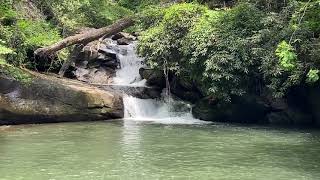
166,111
130,63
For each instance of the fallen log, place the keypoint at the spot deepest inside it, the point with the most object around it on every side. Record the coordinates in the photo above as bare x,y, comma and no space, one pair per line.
86,37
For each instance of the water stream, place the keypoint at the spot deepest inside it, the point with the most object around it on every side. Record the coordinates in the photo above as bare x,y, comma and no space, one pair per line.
165,110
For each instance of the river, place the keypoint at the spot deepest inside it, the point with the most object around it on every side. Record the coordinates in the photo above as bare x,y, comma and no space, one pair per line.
140,150
157,139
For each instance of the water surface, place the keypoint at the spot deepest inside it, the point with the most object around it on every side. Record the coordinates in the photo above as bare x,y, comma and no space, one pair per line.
142,150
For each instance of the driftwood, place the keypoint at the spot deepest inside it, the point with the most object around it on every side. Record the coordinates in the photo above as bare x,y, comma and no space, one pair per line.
86,37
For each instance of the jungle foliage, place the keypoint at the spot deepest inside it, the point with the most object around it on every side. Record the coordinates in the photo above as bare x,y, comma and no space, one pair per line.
246,48
226,47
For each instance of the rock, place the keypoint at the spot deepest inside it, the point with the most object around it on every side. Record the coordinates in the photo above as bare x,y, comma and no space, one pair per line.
48,99
89,52
123,38
314,102
123,35
139,92
123,41
278,118
208,110
246,109
299,117
153,77
185,90
98,67
108,53
98,75
289,117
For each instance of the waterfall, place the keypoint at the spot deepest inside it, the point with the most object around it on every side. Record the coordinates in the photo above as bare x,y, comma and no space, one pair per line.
160,111
130,63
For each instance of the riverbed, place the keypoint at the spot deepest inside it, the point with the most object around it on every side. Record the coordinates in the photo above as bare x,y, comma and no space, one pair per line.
132,149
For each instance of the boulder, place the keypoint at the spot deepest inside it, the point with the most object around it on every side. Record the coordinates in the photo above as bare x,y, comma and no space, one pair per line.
124,35
245,109
278,118
95,75
123,38
47,99
141,92
153,77
185,89
210,110
314,102
289,117
123,41
95,64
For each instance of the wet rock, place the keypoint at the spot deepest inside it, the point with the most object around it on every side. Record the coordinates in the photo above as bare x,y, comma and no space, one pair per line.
123,38
185,89
123,41
48,99
246,109
210,110
289,117
278,118
153,77
95,75
95,64
124,35
314,102
135,91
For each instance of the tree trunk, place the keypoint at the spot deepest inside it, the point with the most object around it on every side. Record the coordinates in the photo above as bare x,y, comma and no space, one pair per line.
86,37
72,58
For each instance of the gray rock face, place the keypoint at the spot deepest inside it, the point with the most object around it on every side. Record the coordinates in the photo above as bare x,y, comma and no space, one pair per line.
153,77
49,99
314,102
95,64
247,109
139,92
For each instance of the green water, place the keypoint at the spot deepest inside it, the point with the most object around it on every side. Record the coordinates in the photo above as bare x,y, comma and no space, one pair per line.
141,150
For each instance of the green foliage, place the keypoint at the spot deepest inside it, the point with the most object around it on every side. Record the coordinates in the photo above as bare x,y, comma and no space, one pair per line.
99,13
137,4
37,33
47,22
7,14
236,51
150,16
212,47
4,50
73,14
313,76
14,72
27,35
161,44
287,56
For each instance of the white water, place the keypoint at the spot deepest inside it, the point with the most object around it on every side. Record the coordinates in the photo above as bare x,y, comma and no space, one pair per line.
160,111
128,74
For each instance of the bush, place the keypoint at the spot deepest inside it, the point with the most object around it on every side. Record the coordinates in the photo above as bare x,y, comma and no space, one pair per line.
211,47
232,52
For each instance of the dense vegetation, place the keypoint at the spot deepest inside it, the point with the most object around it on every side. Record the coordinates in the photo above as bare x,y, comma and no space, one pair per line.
226,47
248,48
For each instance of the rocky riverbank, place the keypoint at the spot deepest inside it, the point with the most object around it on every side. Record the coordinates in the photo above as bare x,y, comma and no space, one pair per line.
46,99
299,107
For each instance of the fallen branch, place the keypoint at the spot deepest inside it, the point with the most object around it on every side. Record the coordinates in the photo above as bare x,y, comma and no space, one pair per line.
86,37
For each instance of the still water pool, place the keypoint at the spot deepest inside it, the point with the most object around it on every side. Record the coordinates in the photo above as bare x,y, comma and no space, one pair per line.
143,150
